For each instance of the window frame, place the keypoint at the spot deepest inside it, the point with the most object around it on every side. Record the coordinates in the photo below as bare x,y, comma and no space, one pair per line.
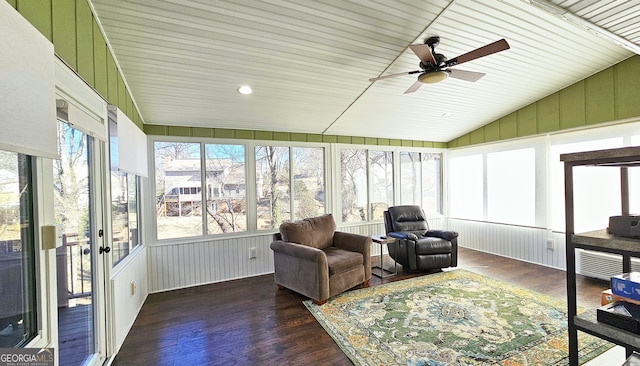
250,174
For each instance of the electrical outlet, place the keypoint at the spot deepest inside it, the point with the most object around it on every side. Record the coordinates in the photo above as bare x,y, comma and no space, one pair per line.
253,252
133,288
551,244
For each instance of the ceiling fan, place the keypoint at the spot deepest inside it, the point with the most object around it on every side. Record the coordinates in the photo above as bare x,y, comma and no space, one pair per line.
434,67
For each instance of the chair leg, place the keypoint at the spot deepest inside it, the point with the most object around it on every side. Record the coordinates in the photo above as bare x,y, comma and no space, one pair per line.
365,284
280,287
319,302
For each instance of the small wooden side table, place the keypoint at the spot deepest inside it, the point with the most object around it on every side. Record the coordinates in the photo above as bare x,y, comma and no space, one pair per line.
380,271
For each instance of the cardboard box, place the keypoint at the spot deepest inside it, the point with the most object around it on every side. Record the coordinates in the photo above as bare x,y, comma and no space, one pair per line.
608,297
626,285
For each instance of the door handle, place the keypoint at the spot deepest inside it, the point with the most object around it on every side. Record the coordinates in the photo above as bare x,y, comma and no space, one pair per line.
104,250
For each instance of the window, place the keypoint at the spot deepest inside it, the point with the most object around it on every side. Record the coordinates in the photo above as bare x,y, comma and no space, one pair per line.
466,182
124,203
511,187
353,165
226,190
17,246
177,167
288,179
410,178
421,180
596,189
381,171
273,186
308,182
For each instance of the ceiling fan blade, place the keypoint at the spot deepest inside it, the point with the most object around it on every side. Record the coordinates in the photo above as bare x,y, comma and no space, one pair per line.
494,47
413,87
423,52
465,75
395,75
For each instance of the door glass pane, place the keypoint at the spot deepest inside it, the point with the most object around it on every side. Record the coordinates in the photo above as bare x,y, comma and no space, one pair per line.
308,182
353,165
381,168
17,264
178,196
226,190
72,208
272,185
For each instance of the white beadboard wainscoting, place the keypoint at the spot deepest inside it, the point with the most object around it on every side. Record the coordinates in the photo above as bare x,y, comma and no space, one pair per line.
185,264
528,244
129,288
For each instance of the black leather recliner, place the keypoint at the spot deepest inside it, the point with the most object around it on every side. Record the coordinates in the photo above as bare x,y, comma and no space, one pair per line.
417,248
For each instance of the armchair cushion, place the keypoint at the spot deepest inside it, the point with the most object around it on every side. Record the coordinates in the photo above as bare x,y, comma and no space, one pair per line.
431,245
316,232
340,260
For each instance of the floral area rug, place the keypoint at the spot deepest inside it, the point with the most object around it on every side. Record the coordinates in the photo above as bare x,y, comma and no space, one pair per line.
451,318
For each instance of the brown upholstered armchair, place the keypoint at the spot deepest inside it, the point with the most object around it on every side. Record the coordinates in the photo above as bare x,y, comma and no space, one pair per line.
313,259
418,248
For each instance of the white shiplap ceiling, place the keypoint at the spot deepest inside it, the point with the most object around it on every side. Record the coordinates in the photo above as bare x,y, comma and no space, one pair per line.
309,62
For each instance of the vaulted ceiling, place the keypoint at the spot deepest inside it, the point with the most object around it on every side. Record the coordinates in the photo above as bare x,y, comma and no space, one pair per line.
309,62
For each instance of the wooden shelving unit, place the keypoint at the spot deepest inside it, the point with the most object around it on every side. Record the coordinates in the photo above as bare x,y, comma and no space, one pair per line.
600,240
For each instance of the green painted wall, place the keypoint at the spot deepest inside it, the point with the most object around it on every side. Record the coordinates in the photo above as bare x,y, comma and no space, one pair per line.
610,95
77,40
161,130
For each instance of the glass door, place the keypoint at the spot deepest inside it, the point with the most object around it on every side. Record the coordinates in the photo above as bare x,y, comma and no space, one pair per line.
80,268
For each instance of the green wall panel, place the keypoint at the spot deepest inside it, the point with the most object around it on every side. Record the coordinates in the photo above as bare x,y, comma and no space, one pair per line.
224,133
244,134
264,135
477,136
395,142
344,139
122,94
371,141
302,137
84,27
599,93
492,131
99,61
202,132
12,3
628,88
509,126
64,30
112,80
357,140
527,120
572,106
549,113
281,136
156,130
330,138
179,131
314,137
383,142
407,143
37,13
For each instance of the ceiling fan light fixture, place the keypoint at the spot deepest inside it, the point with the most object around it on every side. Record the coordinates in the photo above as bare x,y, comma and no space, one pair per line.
433,77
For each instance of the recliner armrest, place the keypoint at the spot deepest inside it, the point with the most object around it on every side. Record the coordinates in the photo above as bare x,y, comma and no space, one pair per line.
403,235
299,251
442,234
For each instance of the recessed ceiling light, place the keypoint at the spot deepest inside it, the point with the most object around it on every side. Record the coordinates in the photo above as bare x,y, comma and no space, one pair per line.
245,89
447,115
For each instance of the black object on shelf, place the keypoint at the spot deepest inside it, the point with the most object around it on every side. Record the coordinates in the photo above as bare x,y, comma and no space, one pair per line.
621,314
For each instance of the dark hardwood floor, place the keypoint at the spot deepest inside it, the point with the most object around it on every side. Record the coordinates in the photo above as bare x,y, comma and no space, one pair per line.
251,322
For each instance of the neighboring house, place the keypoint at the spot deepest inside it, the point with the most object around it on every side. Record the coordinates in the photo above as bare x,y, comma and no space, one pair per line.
224,182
